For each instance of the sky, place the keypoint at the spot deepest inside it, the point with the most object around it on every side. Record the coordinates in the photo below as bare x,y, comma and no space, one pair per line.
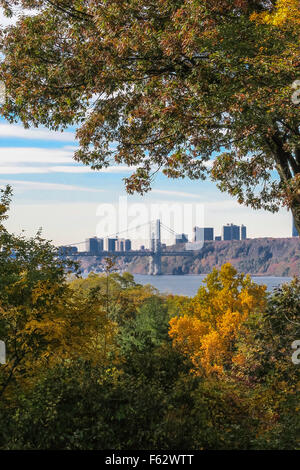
71,202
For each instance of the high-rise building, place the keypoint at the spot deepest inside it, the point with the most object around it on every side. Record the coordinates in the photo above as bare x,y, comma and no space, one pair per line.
127,245
119,244
122,245
180,238
110,244
231,232
94,245
100,244
203,234
294,230
243,232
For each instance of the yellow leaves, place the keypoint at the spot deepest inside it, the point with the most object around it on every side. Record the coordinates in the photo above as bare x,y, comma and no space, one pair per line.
212,352
214,320
186,333
285,12
254,297
230,323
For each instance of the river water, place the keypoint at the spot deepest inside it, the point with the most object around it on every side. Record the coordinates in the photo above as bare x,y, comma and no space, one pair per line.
189,284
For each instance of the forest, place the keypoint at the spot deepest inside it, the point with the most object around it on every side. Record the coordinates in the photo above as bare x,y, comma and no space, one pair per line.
105,363
195,89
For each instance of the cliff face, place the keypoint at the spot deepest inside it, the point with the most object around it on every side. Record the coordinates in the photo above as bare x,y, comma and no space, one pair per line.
260,256
265,256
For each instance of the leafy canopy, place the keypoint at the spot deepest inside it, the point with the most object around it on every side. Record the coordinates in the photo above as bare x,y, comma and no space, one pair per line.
166,85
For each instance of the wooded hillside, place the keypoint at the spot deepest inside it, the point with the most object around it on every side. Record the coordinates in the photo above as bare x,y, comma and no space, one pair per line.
265,256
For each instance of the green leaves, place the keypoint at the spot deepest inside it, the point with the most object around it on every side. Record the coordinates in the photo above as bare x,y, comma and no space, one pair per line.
4,204
149,328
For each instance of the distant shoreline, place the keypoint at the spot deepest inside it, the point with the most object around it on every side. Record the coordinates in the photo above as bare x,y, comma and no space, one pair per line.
205,274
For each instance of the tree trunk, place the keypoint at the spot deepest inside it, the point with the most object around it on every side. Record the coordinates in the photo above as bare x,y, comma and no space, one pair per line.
296,215
288,167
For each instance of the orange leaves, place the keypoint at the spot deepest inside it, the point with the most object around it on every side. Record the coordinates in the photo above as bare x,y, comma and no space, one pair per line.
217,316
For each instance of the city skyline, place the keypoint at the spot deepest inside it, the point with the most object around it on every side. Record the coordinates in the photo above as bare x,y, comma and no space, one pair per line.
97,245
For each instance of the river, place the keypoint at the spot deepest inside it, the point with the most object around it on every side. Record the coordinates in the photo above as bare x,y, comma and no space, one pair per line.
189,284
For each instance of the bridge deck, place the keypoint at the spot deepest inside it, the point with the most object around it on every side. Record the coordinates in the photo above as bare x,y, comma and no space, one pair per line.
135,253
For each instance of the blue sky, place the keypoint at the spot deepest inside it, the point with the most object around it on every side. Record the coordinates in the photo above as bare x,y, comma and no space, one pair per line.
61,196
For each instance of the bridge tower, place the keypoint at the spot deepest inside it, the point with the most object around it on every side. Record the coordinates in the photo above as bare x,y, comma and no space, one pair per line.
155,247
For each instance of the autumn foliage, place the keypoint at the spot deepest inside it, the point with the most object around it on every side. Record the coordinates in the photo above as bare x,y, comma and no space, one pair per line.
105,363
209,328
284,12
175,83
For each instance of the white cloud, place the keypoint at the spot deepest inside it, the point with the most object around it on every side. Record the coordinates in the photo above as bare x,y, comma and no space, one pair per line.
14,170
227,205
24,160
176,193
34,185
18,132
85,169
34,155
70,147
4,21
68,169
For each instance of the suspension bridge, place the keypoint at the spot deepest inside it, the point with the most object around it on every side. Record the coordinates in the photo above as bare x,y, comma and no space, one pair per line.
155,253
